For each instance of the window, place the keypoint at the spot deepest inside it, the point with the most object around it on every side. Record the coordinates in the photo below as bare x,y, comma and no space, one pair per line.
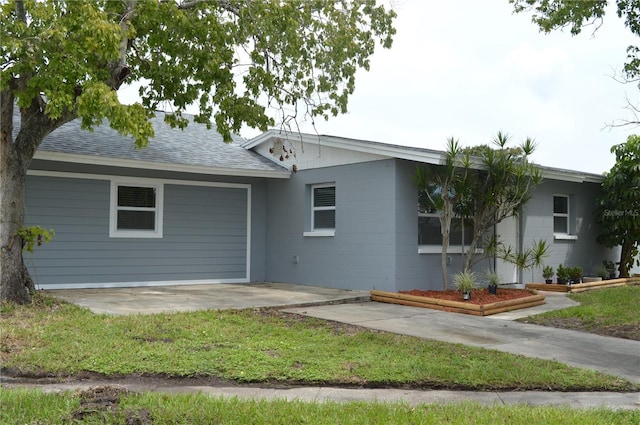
136,210
561,214
323,210
430,234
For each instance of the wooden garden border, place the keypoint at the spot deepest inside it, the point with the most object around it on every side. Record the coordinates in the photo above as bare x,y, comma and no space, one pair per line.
583,287
458,306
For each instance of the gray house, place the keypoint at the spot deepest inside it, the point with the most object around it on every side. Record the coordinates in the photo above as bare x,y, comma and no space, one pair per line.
297,208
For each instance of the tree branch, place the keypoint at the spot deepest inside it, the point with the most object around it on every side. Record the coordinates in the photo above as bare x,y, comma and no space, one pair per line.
119,70
224,4
21,13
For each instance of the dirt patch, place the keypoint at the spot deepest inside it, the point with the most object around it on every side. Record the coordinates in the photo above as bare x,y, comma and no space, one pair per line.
290,319
478,296
575,324
95,402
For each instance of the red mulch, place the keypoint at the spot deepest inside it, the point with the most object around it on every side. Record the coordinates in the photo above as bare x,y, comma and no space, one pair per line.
478,296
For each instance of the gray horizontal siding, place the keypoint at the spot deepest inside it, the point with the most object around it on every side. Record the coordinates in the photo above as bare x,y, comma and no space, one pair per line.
204,235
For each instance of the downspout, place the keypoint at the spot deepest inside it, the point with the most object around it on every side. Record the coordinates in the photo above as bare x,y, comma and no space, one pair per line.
520,244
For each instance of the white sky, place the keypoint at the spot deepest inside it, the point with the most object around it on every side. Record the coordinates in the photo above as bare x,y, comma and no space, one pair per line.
469,68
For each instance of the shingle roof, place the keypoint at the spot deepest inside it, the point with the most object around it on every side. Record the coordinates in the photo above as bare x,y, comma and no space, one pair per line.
194,146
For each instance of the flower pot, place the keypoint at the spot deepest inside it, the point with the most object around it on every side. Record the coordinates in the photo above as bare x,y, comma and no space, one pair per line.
562,281
548,281
466,295
493,289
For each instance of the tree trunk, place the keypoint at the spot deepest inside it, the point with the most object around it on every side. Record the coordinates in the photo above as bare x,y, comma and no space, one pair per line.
15,157
445,228
14,276
625,258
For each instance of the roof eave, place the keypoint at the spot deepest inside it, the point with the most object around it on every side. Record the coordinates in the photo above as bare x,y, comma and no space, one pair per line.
382,149
570,176
401,152
159,166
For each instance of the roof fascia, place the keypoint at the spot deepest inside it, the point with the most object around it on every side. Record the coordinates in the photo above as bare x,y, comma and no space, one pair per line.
391,151
159,166
570,176
394,151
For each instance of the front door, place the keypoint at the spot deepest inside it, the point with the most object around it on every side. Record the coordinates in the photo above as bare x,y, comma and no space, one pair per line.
507,233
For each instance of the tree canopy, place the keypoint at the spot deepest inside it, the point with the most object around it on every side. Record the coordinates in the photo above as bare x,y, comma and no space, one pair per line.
550,15
618,207
224,56
64,60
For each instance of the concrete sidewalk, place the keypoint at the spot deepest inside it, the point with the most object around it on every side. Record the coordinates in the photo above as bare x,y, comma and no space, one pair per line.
614,356
578,400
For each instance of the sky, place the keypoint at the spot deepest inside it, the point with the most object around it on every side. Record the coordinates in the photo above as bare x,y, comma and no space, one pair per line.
468,69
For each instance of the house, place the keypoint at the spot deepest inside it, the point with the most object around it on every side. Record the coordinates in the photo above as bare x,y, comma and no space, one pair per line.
297,208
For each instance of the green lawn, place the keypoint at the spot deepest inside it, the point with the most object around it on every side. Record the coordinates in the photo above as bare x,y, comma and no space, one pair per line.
264,346
36,407
612,311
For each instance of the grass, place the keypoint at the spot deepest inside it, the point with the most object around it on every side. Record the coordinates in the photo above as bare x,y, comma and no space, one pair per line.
36,407
264,346
611,311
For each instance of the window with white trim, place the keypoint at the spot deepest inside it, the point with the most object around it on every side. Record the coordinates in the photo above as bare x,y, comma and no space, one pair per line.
323,209
561,215
136,210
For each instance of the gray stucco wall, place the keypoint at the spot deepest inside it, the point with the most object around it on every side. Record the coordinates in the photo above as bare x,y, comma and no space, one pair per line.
361,254
418,271
204,237
537,224
376,238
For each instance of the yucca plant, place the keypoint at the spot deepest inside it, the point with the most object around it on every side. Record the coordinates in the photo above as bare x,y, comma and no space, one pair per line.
465,282
493,280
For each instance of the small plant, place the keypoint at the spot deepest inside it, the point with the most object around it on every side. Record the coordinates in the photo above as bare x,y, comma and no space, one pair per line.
602,273
563,274
547,272
575,274
465,282
492,282
611,268
526,260
32,236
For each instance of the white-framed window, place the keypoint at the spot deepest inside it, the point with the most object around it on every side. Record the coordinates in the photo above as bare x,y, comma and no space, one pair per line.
136,209
561,215
323,210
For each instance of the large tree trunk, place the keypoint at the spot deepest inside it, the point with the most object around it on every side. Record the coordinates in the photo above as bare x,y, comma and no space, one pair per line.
15,157
14,277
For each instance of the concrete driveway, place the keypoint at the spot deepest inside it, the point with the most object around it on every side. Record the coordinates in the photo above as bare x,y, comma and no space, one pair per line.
166,299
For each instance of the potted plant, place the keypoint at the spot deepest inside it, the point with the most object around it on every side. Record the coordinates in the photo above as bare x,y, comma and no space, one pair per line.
493,281
464,282
575,275
562,274
611,269
602,273
547,273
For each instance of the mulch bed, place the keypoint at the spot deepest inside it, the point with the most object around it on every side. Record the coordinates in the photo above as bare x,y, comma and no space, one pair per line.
478,296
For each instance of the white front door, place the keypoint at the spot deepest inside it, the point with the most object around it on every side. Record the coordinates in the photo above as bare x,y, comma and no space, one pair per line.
507,233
